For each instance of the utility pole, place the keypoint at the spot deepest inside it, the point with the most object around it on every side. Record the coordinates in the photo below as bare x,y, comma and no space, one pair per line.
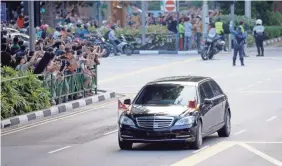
31,25
232,8
143,20
248,8
248,12
178,34
205,17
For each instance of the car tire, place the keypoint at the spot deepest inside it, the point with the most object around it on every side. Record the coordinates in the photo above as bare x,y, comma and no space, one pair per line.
226,129
199,139
125,145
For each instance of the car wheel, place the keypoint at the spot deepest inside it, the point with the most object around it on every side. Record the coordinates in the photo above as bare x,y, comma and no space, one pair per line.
199,139
124,145
226,129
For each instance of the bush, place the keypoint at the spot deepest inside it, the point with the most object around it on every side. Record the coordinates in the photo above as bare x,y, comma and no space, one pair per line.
273,31
250,40
248,23
275,18
19,96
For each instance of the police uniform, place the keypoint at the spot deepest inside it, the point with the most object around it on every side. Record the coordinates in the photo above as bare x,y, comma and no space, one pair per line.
243,30
239,38
258,33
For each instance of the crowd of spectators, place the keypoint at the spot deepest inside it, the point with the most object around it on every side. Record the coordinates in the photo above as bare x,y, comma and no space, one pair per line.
54,56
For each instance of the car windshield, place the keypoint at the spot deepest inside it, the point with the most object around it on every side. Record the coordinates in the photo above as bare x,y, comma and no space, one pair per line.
166,94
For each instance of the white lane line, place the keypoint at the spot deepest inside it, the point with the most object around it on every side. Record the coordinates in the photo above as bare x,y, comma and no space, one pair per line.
54,151
262,155
203,148
111,132
272,118
240,132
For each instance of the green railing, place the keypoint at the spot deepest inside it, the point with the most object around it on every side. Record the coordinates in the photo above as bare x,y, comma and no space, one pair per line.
67,87
71,86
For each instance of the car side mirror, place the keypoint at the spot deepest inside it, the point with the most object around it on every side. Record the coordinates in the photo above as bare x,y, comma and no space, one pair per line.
207,101
127,101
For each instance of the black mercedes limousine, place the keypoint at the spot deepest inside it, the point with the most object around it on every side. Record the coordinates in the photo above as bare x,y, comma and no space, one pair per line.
175,109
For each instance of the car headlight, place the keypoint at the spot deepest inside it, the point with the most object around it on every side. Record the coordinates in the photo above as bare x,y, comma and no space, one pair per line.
126,121
189,120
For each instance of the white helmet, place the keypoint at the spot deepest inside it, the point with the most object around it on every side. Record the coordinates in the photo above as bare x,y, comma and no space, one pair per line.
259,22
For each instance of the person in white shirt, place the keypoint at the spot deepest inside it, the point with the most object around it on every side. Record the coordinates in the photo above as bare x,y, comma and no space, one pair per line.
188,34
258,33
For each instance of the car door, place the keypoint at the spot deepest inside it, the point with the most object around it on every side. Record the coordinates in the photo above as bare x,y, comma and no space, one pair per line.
208,110
219,103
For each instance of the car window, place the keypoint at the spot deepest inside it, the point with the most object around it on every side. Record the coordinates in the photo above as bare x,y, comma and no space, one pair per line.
208,91
202,94
216,89
166,94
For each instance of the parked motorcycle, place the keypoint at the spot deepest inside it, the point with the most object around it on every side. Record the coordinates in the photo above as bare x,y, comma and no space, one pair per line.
213,45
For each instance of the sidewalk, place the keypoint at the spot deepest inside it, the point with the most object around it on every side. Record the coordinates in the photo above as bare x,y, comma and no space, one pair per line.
24,119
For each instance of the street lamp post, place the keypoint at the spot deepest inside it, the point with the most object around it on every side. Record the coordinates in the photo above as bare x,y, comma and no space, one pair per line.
178,34
204,19
143,20
232,8
31,25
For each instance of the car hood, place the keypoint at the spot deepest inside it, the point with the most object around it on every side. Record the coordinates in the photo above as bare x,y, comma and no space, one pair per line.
171,110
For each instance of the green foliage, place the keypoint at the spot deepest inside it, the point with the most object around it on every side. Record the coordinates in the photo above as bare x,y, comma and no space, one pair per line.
250,40
274,18
273,31
248,23
19,96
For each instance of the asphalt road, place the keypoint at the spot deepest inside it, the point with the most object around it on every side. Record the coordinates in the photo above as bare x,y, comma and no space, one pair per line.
88,137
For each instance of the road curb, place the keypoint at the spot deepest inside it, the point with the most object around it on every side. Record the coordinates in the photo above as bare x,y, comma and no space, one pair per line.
159,52
23,119
272,41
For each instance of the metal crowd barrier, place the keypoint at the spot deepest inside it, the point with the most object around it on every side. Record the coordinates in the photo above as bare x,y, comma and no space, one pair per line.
67,87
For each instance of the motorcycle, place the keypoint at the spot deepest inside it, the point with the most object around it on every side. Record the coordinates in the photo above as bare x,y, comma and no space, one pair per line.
122,46
213,45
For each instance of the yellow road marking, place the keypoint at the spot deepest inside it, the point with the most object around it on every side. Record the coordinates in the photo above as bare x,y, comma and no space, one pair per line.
204,154
262,155
125,75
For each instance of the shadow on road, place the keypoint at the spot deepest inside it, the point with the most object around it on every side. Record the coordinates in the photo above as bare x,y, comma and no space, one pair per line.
208,141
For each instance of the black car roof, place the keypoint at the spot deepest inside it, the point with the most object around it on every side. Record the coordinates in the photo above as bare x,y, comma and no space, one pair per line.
194,79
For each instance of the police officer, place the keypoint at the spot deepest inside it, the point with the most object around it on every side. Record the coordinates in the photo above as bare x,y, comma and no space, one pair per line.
239,38
220,30
243,30
258,33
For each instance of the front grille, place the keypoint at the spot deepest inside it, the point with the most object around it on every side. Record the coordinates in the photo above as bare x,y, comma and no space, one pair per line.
154,122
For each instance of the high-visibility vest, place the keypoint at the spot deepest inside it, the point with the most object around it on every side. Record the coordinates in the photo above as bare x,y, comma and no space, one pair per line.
219,27
242,28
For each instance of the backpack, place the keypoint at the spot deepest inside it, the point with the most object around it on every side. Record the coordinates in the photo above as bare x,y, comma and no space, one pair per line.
106,36
239,38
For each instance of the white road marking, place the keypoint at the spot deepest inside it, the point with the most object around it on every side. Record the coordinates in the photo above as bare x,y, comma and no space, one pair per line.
111,132
240,132
203,148
54,151
262,155
255,142
272,118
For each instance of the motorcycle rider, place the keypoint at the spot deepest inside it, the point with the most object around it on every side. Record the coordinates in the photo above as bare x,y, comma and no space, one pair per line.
112,38
258,33
219,29
239,38
243,30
